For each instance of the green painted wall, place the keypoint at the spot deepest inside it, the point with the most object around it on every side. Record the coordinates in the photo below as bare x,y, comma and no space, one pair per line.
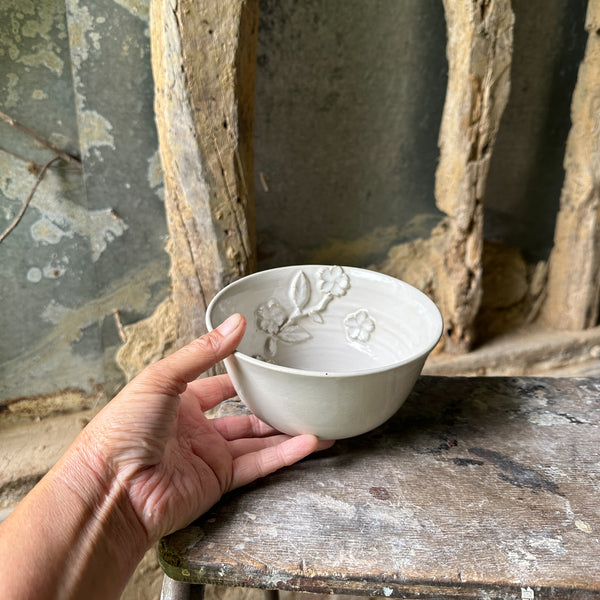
92,240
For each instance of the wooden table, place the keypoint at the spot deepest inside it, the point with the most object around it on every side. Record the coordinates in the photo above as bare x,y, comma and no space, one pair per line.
476,488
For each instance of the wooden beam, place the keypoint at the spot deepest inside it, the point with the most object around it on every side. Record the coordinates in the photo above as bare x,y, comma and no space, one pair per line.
479,50
573,289
203,61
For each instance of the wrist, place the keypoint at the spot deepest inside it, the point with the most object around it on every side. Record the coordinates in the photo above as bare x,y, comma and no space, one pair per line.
106,511
107,538
79,524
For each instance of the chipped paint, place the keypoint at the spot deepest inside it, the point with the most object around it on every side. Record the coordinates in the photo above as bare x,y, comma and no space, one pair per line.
52,270
48,232
80,25
94,131
55,268
138,8
52,79
93,128
59,217
34,275
583,526
45,58
47,14
12,91
54,312
29,38
155,174
546,418
462,537
56,349
551,544
39,95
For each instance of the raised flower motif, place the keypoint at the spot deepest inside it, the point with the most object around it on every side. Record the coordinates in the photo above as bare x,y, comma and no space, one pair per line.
333,280
359,325
282,325
270,316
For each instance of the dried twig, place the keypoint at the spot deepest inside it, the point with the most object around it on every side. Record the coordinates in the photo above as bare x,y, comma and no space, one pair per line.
39,178
120,327
263,180
36,136
34,163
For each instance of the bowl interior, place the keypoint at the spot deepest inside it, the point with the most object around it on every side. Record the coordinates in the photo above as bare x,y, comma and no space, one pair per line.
329,319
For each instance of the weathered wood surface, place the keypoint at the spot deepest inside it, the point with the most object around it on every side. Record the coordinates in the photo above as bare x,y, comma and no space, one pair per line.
203,61
573,289
479,50
478,487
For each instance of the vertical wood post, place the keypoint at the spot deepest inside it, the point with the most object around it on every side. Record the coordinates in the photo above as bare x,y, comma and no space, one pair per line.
573,289
479,50
203,61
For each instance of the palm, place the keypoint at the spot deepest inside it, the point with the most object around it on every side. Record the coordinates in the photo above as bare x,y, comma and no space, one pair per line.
172,461
184,471
176,463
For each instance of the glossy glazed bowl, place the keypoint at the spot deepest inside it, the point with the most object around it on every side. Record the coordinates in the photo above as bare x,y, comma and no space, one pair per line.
328,350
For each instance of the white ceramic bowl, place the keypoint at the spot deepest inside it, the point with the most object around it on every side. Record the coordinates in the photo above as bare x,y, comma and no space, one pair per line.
328,350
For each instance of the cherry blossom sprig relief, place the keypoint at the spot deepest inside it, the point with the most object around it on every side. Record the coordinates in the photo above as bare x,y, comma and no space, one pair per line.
274,320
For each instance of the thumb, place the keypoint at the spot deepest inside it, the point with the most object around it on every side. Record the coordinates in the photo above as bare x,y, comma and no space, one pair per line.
188,363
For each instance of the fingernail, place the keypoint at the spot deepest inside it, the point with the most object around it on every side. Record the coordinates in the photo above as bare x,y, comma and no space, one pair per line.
229,324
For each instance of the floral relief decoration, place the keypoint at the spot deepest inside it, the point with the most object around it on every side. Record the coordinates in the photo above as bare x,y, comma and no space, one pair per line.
359,325
281,325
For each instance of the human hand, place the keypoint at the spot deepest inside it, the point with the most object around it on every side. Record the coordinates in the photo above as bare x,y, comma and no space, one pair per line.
149,463
171,460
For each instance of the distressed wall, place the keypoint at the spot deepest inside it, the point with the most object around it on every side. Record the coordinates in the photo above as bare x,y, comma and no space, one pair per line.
348,107
526,171
89,251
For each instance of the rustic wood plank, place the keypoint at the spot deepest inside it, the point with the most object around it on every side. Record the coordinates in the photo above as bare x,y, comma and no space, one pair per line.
203,60
478,487
573,289
479,50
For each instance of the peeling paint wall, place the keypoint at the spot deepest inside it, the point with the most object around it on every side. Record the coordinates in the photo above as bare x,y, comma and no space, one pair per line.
88,255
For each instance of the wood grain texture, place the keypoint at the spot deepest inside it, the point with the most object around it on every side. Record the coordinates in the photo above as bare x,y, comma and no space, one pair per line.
478,487
203,60
573,289
479,51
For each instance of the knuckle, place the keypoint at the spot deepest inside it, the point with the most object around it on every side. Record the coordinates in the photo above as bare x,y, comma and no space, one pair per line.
154,378
208,345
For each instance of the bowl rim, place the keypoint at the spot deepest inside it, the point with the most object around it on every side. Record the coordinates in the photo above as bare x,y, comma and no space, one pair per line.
426,300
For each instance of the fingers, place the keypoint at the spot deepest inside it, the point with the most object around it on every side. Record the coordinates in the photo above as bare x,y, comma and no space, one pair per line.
243,426
210,391
173,373
249,467
250,445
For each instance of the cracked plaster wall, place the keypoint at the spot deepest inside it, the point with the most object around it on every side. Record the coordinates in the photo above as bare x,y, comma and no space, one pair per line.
92,240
